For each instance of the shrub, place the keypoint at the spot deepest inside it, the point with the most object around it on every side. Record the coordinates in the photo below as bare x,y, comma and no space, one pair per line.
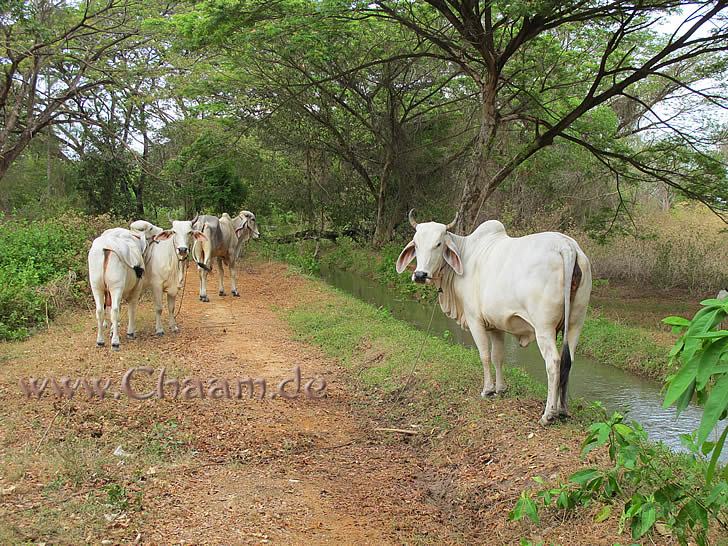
42,267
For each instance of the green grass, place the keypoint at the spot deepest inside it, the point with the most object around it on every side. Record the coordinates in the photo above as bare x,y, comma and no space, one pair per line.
623,346
42,269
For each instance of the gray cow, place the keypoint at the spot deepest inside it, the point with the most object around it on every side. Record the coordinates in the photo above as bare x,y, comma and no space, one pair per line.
226,237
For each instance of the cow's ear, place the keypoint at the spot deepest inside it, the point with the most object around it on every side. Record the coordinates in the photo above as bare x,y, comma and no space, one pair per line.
452,257
198,235
166,234
406,256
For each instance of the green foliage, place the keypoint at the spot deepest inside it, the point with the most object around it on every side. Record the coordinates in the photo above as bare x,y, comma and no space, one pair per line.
116,496
654,488
104,179
34,255
702,353
685,504
208,173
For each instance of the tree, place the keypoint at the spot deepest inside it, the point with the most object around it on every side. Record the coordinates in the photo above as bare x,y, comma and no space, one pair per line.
315,83
551,69
52,54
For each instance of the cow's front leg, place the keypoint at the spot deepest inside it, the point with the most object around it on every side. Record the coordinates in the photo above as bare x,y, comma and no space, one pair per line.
480,336
547,345
203,285
234,278
497,348
171,299
220,278
157,296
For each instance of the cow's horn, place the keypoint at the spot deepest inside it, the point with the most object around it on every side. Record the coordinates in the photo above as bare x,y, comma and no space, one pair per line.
195,218
452,224
169,218
411,217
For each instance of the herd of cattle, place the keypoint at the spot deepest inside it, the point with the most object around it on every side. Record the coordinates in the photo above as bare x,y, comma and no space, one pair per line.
532,287
122,262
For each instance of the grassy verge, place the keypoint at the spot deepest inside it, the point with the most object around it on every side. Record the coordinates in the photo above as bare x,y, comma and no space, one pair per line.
626,346
380,353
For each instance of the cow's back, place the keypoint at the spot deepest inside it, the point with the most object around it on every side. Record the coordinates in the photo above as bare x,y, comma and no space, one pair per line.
505,277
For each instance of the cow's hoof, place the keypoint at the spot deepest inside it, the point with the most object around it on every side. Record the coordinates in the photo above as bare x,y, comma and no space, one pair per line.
487,393
546,420
100,343
115,347
204,298
175,330
564,414
221,293
235,294
502,390
160,334
131,335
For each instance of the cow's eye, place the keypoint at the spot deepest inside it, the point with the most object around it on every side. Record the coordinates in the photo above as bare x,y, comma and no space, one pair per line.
438,244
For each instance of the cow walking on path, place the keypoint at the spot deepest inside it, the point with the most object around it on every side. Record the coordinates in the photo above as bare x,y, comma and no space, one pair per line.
115,270
531,287
225,238
165,261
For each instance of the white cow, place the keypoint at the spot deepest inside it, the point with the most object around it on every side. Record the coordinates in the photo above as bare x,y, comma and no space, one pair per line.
115,270
165,262
531,287
226,238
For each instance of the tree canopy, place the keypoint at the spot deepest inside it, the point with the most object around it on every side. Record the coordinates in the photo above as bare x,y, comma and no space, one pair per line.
349,114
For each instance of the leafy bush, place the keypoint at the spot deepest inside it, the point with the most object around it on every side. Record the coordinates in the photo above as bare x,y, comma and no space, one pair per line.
684,499
35,257
703,356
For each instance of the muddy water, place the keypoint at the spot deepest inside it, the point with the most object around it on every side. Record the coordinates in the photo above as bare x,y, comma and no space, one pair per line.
618,390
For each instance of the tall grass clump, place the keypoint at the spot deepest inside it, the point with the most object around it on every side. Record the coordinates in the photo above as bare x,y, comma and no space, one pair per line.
42,269
683,248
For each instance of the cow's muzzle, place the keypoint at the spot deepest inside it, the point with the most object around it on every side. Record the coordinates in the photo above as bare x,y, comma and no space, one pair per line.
420,277
182,252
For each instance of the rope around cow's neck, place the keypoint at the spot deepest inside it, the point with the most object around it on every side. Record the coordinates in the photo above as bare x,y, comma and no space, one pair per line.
182,297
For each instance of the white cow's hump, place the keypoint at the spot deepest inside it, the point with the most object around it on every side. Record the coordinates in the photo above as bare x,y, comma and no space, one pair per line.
490,226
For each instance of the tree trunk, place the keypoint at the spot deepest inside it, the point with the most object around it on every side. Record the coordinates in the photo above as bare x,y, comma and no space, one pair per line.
471,200
381,234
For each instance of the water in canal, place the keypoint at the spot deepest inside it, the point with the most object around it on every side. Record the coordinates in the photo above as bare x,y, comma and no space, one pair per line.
618,390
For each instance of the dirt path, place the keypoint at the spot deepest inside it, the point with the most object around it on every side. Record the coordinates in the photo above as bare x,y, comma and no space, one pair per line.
218,471
306,470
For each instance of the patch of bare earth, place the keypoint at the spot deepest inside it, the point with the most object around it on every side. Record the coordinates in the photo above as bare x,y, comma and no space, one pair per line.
249,471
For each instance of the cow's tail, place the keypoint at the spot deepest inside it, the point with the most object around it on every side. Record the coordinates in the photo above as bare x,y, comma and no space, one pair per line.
569,257
202,250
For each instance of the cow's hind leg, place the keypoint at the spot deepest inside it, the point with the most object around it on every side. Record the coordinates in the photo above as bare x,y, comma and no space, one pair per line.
234,278
100,315
133,303
497,348
547,345
220,278
203,285
482,341
563,394
116,296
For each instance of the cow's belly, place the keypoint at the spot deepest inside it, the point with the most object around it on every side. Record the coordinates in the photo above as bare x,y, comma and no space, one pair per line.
515,325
